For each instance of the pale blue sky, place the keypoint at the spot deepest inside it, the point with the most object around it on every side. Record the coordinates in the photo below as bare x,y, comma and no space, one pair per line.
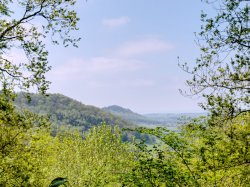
128,55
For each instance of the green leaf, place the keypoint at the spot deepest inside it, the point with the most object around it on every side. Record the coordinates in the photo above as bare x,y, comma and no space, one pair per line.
58,182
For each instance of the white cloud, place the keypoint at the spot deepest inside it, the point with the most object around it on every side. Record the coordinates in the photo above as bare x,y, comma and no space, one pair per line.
95,66
115,22
101,64
143,47
123,61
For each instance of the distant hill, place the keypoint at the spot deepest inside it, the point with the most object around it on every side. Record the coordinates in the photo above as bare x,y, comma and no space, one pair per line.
169,120
67,111
130,116
173,119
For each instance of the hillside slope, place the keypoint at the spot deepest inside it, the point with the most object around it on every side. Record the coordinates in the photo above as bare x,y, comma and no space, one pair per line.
169,120
66,111
130,116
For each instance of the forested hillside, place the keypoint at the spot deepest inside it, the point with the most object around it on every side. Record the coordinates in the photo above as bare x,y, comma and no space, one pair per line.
169,120
66,111
130,115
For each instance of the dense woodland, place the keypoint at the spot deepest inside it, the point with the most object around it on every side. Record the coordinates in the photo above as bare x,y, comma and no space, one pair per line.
68,113
207,151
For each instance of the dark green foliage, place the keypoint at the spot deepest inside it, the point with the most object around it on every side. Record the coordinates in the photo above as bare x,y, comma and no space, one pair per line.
58,182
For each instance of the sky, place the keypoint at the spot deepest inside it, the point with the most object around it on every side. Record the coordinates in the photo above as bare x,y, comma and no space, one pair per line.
128,55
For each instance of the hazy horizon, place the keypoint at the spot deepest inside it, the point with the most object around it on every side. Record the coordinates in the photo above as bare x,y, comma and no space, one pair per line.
128,55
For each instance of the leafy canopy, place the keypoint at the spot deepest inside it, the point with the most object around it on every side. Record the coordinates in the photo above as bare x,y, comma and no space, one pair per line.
198,155
222,72
24,27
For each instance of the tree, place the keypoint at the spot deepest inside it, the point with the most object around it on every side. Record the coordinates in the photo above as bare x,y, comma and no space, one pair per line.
222,72
197,155
17,131
96,158
208,151
166,164
27,32
25,26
